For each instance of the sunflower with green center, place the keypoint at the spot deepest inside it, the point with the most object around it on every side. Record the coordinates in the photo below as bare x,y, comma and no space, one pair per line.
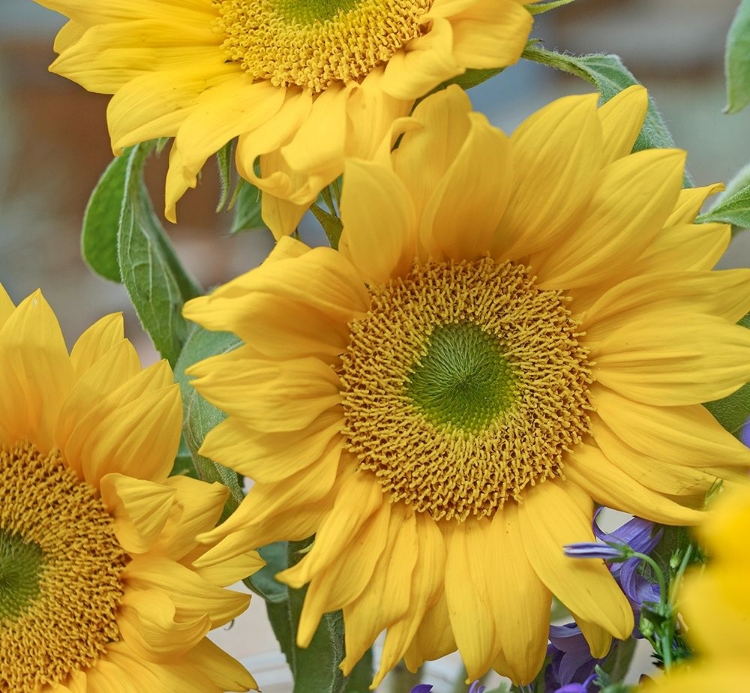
99,590
513,329
301,82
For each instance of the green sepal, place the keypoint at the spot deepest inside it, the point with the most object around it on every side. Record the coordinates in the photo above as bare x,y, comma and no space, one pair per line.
733,411
264,582
156,282
610,77
734,206
331,225
200,416
315,668
102,219
542,7
737,60
247,208
224,164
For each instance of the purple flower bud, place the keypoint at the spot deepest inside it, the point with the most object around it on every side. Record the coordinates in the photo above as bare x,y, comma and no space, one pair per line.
476,687
577,687
421,688
594,549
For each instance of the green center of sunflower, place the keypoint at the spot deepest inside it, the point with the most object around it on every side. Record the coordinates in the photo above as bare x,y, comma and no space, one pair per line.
21,563
464,378
462,385
60,567
314,44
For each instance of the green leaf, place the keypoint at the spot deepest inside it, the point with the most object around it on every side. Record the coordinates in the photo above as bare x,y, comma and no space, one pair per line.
200,416
617,662
264,582
316,668
610,77
543,7
472,78
331,224
737,60
361,677
102,219
733,208
157,283
183,463
224,163
733,411
247,206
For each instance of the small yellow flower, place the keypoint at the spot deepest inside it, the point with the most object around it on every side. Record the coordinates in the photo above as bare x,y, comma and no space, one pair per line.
97,545
513,329
301,82
715,605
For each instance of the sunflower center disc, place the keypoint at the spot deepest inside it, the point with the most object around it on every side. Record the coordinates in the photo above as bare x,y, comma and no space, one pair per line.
463,384
60,566
315,43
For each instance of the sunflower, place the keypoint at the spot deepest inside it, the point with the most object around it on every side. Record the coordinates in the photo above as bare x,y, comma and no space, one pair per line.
301,82
98,587
715,605
513,329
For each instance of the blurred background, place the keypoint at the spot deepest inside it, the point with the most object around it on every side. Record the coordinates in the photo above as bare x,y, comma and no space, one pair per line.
54,146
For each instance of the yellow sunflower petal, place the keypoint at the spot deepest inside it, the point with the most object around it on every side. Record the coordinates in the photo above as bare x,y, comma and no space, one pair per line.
197,507
483,166
422,64
616,228
702,677
720,529
379,221
268,458
34,347
148,623
14,410
671,479
192,596
426,586
266,395
434,637
337,585
139,508
231,570
6,306
609,485
96,341
552,516
386,598
598,639
722,294
622,118
469,596
490,33
689,203
359,499
687,247
654,359
520,600
686,435
225,671
556,158
427,152
67,36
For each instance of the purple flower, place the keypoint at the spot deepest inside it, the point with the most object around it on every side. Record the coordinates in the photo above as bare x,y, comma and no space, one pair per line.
421,688
571,661
639,535
476,687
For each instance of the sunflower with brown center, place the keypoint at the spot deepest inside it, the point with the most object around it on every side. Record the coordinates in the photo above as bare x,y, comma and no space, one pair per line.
513,329
98,587
301,82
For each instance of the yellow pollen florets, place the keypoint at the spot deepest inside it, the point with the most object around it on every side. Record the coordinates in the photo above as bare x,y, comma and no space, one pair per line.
314,43
65,623
463,384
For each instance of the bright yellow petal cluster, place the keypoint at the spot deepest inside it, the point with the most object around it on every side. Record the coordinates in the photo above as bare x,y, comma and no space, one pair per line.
302,84
97,545
715,604
553,272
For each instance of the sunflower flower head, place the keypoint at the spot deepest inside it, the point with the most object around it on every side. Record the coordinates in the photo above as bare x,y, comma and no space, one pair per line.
97,544
509,332
302,83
